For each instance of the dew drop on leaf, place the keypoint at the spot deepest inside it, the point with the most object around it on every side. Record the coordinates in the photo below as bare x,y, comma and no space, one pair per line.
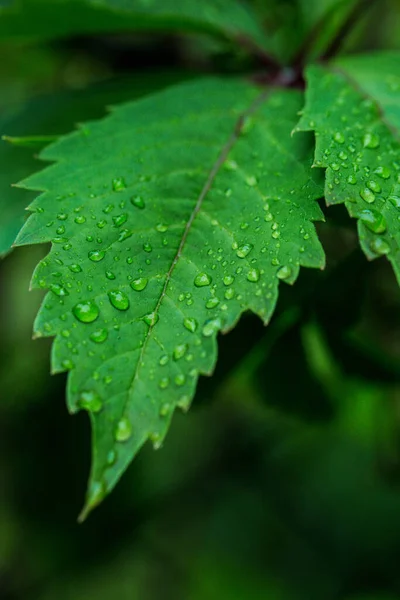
371,140
373,220
244,250
190,324
383,172
180,351
119,299
228,279
139,284
96,255
118,184
212,302
86,312
367,195
210,327
253,275
163,383
120,220
394,200
284,273
151,319
99,336
202,279
380,247
138,202
91,401
123,430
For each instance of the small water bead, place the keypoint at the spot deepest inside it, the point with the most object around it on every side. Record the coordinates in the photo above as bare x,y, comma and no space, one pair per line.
86,312
80,219
164,360
244,250
230,165
253,275
394,200
251,181
96,255
58,290
180,351
139,284
335,167
124,235
228,279
99,336
229,294
373,220
68,364
138,202
108,208
161,228
165,409
352,179
123,430
383,172
119,299
118,184
190,324
212,302
210,327
180,380
163,383
379,246
60,230
374,186
202,279
120,220
284,273
151,319
371,140
111,458
91,401
110,275
147,247
343,156
367,195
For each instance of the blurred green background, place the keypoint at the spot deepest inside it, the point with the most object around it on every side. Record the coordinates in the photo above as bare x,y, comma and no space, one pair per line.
283,481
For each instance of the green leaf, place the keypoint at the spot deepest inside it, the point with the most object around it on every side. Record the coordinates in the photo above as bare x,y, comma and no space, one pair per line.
50,115
353,105
168,219
52,18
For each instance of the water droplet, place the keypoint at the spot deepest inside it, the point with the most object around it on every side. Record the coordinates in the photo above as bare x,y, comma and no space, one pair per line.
395,200
139,284
379,246
253,275
110,275
164,360
91,401
138,201
371,140
374,186
202,279
367,195
373,220
284,273
180,351
119,299
212,302
228,279
339,137
80,219
111,457
251,181
163,383
352,179
67,364
86,312
58,290
120,219
147,247
383,172
210,327
190,324
96,255
244,250
99,336
161,228
124,430
118,184
151,319
165,409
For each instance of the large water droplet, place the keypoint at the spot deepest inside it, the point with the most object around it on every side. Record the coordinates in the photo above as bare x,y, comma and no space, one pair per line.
96,255
147,247
374,186
124,430
99,336
58,290
120,219
371,140
284,272
210,327
395,200
119,299
202,279
138,201
151,319
244,250
212,302
139,284
75,268
180,351
228,279
118,184
373,220
190,324
253,275
91,401
86,311
383,172
367,195
379,246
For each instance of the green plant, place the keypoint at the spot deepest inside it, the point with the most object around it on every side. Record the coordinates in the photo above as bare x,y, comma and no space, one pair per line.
195,201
